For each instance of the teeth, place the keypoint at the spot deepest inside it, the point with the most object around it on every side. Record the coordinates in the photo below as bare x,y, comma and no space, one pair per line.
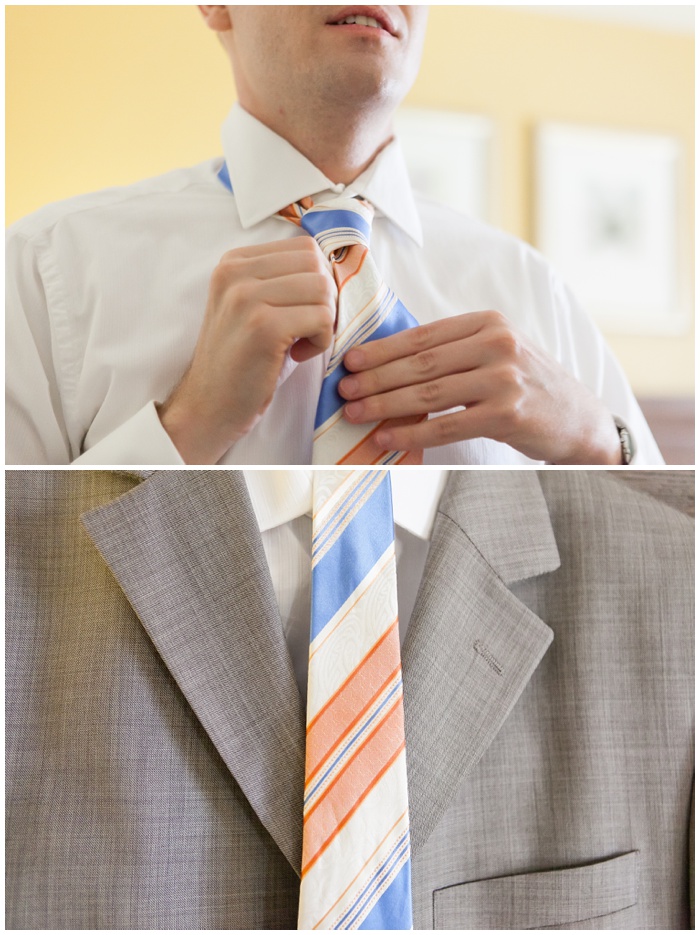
360,21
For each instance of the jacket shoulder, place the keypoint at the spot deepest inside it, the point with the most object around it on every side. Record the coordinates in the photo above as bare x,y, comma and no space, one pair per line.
624,514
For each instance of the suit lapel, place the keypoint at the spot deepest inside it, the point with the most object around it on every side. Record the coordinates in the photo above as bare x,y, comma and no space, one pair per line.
185,549
472,646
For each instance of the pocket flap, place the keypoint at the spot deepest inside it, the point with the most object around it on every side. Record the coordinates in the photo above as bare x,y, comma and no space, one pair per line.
536,900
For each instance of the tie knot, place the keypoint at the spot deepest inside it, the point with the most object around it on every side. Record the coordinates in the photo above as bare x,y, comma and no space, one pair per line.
339,224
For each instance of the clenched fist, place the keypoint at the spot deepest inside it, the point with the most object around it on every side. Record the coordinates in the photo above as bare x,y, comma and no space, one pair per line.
264,301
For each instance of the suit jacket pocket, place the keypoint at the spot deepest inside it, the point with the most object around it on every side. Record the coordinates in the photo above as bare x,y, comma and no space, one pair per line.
539,900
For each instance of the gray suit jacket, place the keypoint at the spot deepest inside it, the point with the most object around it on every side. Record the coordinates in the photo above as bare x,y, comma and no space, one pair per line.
155,734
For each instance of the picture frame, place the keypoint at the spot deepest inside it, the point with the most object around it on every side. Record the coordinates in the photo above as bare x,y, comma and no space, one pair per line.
607,216
449,156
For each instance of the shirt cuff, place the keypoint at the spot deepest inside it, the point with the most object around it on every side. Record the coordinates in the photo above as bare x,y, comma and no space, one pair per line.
140,440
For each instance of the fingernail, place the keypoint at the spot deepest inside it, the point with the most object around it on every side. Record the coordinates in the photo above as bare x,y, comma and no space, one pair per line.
349,386
353,410
354,358
384,440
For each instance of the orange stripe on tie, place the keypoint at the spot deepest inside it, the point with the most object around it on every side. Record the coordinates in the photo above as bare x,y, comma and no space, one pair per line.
365,451
335,808
351,702
349,266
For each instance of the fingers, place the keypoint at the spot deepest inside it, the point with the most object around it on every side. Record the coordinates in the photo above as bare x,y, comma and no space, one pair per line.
414,341
305,349
292,245
428,365
442,430
271,332
270,264
298,289
313,325
420,398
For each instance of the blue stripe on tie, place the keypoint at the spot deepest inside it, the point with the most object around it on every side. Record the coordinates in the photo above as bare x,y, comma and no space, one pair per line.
376,880
393,909
317,222
352,556
224,177
330,400
343,507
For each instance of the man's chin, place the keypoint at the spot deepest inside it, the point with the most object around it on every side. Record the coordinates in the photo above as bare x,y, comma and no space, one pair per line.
363,83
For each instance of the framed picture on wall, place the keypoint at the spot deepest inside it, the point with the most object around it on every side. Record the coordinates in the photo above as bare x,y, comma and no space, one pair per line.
449,158
608,206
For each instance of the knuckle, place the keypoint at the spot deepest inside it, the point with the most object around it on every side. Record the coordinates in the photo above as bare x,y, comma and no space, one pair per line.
425,362
445,431
230,268
328,291
306,243
242,293
506,342
326,330
220,277
495,319
259,322
418,338
370,383
230,256
307,251
429,393
316,261
511,382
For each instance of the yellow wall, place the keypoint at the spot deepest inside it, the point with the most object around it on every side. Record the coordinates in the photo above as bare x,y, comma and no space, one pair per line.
104,95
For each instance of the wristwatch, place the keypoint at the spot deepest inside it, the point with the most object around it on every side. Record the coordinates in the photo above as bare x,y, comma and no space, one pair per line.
626,443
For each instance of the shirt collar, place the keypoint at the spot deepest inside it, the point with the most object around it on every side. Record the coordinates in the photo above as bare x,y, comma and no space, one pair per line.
267,173
280,496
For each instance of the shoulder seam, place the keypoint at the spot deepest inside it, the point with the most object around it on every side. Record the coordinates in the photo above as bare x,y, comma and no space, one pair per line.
108,196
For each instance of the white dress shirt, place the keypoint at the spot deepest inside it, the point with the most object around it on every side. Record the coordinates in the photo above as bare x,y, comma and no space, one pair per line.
106,294
282,504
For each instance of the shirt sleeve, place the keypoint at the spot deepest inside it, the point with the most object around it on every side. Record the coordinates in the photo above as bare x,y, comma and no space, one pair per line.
37,425
140,440
35,429
589,358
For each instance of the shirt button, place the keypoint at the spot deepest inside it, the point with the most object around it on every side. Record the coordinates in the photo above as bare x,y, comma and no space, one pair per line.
338,188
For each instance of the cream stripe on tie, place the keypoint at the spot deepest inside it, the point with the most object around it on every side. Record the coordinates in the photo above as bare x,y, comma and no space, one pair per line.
356,850
367,310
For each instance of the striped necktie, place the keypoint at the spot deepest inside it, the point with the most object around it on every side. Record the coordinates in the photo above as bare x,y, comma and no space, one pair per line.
355,861
367,310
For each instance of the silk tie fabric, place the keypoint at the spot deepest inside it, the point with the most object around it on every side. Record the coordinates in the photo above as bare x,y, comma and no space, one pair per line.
367,310
356,851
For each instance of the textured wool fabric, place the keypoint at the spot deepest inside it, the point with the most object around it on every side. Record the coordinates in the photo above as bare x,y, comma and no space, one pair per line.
155,733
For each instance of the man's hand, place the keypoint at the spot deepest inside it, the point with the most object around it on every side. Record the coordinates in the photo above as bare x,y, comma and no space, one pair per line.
511,391
263,301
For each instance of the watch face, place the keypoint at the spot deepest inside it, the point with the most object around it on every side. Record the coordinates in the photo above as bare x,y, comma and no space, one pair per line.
625,444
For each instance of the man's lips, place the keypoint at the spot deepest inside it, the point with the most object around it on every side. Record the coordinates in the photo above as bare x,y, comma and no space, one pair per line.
378,17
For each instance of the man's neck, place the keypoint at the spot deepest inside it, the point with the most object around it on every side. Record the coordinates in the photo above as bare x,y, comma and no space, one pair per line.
341,149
